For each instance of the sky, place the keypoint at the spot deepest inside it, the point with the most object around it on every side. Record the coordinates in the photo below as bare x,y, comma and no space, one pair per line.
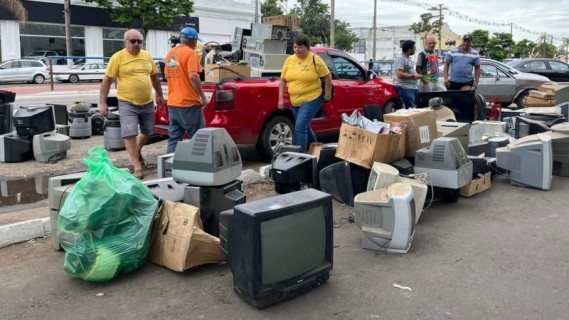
539,16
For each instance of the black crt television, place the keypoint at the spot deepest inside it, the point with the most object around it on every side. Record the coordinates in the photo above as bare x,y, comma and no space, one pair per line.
462,103
32,120
279,247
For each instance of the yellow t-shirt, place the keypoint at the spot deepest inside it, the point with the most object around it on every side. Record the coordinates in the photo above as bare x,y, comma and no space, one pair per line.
133,74
303,77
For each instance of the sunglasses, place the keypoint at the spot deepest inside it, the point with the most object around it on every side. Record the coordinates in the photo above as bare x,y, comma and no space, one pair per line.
133,41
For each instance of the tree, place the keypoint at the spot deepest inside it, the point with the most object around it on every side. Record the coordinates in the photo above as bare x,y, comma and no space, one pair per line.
145,14
314,20
16,8
564,49
272,8
345,38
428,24
480,40
545,49
523,48
500,46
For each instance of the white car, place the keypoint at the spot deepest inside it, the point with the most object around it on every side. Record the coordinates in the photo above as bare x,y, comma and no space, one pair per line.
24,70
87,71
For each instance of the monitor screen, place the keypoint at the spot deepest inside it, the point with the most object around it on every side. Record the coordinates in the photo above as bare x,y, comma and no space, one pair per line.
305,244
32,120
279,244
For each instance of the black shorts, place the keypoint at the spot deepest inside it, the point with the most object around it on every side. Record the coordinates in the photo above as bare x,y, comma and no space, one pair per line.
459,85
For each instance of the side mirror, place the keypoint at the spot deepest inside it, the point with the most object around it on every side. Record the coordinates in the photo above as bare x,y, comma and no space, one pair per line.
371,75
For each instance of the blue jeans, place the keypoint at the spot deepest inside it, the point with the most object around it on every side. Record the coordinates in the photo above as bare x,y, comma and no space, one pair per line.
409,96
183,120
303,115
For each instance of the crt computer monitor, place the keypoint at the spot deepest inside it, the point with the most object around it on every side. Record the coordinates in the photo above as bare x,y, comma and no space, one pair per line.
344,180
382,176
529,161
32,120
387,218
278,247
291,170
560,144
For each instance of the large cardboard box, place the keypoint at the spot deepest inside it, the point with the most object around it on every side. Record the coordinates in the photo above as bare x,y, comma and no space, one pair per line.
290,21
421,128
534,102
559,89
363,147
542,95
178,239
477,185
216,72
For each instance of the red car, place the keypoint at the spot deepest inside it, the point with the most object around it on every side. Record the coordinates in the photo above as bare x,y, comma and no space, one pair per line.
247,107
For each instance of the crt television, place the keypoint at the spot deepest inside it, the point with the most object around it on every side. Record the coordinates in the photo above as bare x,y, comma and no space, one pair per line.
560,144
387,218
291,170
32,120
462,103
278,247
529,160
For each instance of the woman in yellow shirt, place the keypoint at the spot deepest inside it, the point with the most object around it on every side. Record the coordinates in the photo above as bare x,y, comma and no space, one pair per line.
302,72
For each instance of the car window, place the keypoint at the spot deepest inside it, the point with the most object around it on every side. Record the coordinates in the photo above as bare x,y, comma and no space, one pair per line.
488,71
36,64
347,70
11,65
25,64
558,66
538,65
50,54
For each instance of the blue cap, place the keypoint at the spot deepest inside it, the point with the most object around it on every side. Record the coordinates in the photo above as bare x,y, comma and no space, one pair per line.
189,33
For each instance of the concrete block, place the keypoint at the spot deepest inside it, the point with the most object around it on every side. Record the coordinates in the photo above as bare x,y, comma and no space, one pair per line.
21,231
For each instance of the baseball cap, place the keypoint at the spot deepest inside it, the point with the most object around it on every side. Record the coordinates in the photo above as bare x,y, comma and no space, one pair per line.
467,36
190,33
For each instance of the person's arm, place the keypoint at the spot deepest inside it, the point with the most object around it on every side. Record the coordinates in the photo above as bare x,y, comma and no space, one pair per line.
103,94
406,76
445,73
476,76
419,68
282,88
197,85
158,89
328,87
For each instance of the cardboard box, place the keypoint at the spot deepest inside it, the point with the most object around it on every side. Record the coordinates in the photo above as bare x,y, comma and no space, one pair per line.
290,21
537,102
216,72
542,95
457,130
315,148
477,185
559,89
363,147
178,239
421,128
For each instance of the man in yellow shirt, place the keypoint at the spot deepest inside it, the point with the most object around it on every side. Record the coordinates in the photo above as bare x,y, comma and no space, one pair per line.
137,75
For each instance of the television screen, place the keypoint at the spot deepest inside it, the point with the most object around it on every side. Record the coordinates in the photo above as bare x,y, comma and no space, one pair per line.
32,120
462,103
279,247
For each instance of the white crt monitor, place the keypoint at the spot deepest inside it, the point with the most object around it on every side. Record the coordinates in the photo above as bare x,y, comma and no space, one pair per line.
529,160
382,176
560,144
387,218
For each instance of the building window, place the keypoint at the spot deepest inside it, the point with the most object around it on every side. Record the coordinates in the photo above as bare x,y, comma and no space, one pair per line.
113,41
41,41
360,46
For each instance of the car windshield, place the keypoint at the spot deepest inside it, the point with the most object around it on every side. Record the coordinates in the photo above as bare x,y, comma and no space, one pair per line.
78,66
37,53
505,66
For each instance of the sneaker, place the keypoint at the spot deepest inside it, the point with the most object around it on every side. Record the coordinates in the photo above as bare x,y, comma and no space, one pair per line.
139,174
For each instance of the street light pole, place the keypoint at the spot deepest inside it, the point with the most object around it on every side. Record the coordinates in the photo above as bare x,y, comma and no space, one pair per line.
68,43
374,28
332,24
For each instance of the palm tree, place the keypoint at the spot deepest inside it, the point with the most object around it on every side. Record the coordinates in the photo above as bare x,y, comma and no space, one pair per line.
565,48
16,8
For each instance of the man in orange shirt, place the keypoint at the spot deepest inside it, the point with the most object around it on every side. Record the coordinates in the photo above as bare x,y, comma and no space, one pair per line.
186,98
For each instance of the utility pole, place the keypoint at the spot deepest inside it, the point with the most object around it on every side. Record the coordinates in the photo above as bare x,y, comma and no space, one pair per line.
512,29
332,24
440,31
256,10
374,28
68,43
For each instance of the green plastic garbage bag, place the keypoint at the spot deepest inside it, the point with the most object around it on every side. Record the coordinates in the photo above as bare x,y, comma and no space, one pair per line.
106,221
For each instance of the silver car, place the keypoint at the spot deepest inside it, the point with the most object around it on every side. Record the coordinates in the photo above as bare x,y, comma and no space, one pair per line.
508,85
87,71
23,70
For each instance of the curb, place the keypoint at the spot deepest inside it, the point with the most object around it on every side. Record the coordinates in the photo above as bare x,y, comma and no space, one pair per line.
41,227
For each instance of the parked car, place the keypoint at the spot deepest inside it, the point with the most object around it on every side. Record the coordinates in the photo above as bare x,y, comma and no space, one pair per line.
87,71
502,82
555,70
23,70
44,55
247,108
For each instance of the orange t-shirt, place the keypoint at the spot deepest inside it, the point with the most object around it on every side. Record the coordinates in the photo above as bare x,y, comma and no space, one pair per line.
179,62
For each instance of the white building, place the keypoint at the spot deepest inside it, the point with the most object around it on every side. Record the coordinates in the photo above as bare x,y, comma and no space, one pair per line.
94,34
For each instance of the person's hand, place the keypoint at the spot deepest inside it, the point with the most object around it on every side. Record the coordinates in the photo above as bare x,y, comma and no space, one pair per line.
204,102
475,85
160,101
281,104
327,97
103,109
447,83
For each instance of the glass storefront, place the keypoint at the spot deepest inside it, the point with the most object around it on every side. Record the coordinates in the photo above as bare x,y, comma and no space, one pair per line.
113,41
37,39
